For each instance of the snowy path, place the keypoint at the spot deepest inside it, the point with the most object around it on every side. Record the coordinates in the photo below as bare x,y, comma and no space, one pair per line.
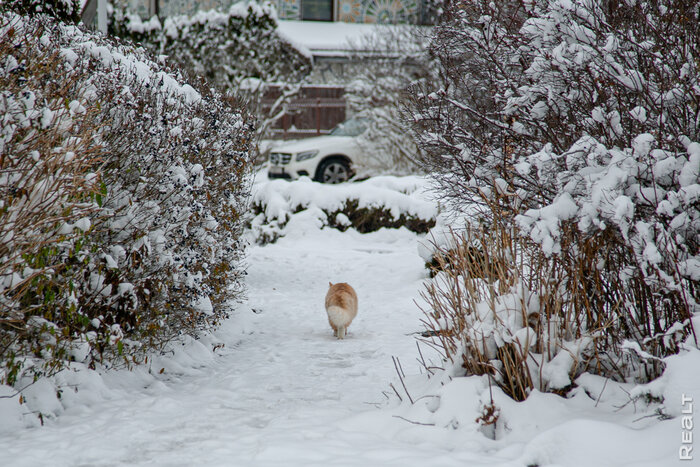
281,390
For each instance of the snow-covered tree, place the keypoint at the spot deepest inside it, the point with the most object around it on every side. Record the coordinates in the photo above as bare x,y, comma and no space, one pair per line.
387,62
575,124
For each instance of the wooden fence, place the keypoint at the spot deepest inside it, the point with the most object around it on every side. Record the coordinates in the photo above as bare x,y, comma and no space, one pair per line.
315,111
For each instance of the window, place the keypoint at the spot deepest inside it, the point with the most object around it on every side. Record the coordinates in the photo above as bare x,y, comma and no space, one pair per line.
352,127
317,10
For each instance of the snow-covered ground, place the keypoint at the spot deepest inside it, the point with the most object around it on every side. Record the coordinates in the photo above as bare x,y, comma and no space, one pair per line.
279,390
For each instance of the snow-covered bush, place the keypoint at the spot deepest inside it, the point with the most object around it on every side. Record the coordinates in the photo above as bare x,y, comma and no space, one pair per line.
240,51
47,187
573,125
497,306
281,207
639,209
122,189
64,10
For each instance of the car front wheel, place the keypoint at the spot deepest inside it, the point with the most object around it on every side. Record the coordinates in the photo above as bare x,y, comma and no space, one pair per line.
333,170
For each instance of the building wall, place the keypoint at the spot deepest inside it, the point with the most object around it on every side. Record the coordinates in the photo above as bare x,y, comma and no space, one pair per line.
189,7
350,11
173,7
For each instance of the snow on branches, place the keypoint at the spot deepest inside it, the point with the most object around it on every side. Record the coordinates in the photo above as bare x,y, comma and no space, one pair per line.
575,125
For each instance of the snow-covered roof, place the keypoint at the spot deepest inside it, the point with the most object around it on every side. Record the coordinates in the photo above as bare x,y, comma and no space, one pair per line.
326,38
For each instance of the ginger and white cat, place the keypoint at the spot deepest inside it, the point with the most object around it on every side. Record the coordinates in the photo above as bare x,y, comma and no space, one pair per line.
341,306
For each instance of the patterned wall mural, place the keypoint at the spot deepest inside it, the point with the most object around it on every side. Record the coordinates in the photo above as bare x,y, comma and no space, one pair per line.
350,11
289,9
378,11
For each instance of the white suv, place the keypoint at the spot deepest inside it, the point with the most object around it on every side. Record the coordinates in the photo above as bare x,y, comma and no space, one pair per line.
326,159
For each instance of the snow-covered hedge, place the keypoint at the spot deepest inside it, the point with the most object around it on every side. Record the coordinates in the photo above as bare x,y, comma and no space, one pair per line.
240,51
225,47
281,207
573,126
121,191
64,10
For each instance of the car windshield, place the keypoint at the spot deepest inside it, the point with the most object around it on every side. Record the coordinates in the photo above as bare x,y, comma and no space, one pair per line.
352,127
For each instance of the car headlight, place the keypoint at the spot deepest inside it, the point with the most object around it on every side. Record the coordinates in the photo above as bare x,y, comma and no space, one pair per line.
302,156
